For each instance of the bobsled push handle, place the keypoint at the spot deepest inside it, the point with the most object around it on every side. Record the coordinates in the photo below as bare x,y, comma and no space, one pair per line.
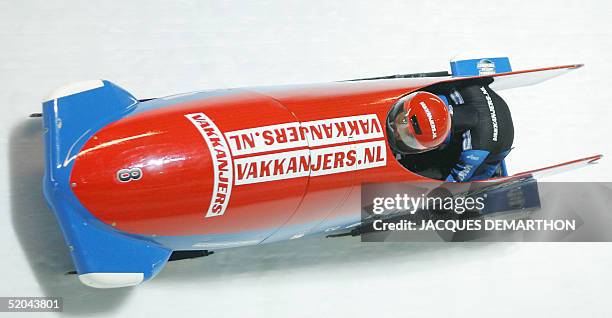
103,256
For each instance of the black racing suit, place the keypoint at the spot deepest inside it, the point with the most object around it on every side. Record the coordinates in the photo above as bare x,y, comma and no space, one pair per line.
483,120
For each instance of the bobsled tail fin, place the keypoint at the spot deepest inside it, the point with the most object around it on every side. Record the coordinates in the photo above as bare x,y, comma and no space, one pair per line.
103,256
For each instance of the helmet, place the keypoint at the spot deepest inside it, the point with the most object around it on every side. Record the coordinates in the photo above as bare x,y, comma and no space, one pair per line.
421,122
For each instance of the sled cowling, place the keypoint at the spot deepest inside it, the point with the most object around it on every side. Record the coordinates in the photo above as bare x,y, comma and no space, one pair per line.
103,256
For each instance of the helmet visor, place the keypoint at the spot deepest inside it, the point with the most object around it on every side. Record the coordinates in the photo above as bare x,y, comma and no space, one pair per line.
406,128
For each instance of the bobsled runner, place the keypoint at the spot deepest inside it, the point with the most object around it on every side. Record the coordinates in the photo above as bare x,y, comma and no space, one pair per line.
132,181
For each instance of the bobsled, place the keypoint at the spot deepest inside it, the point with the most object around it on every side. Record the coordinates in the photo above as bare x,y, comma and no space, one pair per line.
133,180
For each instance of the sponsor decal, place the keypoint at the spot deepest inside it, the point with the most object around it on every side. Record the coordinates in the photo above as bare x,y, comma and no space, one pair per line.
485,67
465,172
221,160
277,166
357,156
312,133
316,162
289,150
472,157
456,97
432,124
267,138
467,140
492,111
336,130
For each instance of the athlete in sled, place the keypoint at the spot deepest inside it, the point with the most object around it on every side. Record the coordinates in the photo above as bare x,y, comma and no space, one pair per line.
460,135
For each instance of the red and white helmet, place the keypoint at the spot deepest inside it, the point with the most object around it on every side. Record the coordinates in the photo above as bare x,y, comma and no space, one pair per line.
423,124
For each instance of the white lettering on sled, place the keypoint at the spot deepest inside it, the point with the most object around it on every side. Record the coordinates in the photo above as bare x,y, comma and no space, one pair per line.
317,162
289,150
221,160
311,133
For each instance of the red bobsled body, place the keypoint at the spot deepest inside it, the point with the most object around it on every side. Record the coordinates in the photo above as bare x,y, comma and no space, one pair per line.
243,161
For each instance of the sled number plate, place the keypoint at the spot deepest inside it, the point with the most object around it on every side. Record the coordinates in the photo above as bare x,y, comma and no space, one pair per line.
127,175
